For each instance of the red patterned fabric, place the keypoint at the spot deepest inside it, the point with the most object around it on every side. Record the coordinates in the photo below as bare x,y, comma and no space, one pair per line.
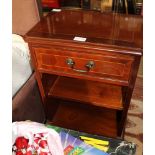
40,145
32,138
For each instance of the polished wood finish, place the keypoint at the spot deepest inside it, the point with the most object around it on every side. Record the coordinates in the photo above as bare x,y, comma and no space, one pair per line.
111,28
107,66
95,93
87,119
114,45
129,28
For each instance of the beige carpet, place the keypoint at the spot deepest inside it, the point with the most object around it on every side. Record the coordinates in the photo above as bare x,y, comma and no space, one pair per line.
134,126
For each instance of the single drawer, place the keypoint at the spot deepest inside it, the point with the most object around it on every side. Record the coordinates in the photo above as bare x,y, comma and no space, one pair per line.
114,68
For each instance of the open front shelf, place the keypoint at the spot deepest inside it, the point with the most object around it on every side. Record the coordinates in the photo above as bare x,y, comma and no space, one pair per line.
88,119
70,94
94,93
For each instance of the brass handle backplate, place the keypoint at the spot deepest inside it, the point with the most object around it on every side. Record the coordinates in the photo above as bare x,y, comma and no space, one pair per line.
90,64
70,62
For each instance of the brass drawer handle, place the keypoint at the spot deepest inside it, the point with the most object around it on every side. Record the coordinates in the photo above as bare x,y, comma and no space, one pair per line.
70,62
89,65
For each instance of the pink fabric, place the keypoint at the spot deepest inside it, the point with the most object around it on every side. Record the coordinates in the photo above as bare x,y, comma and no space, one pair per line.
25,15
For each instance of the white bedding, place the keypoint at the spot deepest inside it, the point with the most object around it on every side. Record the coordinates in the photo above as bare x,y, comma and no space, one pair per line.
21,68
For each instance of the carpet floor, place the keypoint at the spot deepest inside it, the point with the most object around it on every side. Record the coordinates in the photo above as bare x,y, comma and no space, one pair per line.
134,126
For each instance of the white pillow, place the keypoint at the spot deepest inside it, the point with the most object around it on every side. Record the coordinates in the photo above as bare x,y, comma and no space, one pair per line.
21,66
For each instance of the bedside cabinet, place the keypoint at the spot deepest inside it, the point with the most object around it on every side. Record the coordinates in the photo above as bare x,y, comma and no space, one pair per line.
86,64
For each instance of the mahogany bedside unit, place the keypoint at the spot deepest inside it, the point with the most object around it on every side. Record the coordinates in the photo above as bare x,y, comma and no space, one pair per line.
86,63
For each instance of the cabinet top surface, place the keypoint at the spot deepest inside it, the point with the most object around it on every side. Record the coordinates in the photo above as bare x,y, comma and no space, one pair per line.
96,27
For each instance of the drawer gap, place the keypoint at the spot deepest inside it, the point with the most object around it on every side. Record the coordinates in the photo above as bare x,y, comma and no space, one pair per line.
90,92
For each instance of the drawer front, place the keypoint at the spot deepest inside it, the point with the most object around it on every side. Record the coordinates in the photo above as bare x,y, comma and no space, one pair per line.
107,66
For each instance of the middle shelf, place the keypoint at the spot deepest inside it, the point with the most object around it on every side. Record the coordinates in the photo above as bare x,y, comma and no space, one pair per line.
90,92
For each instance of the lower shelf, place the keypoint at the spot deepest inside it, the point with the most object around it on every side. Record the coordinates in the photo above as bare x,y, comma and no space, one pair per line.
95,93
88,119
